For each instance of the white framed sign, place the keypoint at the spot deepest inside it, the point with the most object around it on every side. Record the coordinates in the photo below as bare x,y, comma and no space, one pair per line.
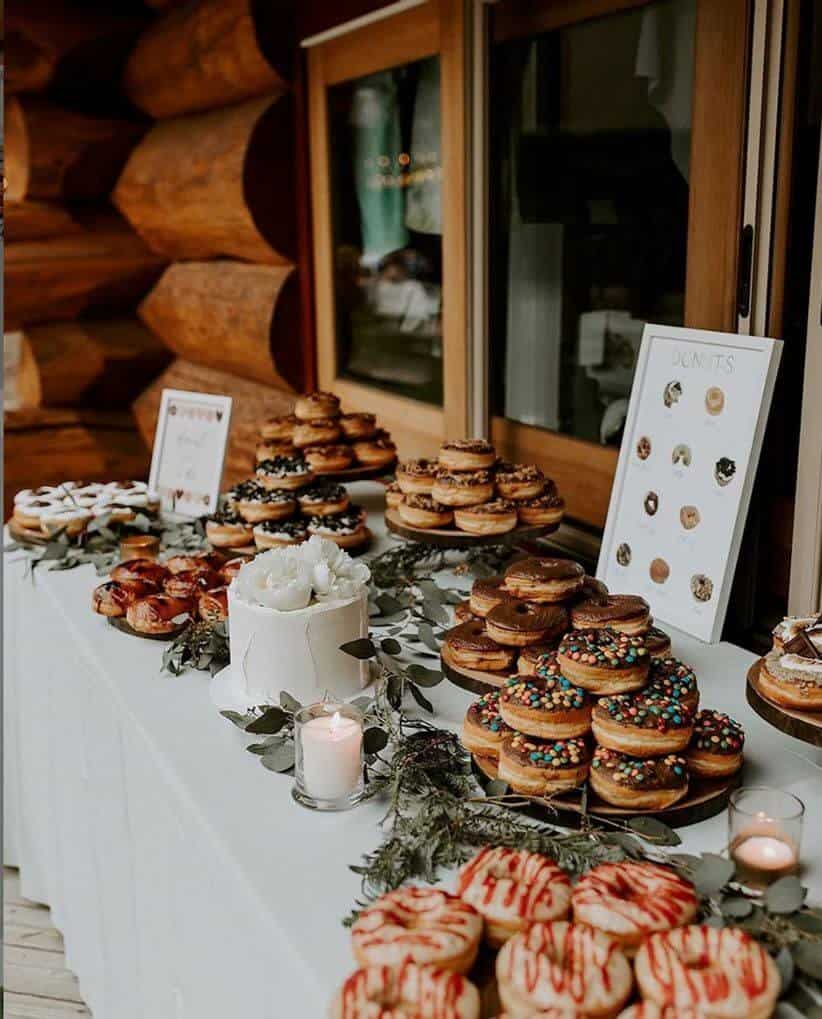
189,451
693,434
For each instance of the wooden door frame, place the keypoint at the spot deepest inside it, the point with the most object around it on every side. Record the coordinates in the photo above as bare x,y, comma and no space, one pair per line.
584,471
435,28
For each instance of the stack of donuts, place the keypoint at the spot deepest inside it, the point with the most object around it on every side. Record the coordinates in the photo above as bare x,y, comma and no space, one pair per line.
791,673
161,598
467,487
595,694
71,506
329,440
624,933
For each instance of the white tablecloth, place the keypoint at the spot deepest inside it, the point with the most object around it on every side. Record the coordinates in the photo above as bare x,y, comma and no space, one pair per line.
185,880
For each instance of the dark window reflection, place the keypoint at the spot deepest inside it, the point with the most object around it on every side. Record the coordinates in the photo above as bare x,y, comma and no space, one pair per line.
386,187
590,149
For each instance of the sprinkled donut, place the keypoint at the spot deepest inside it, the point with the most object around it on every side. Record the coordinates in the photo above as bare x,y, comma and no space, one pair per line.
657,642
416,477
547,704
716,745
426,925
483,729
640,725
405,992
563,966
650,783
627,901
719,972
539,767
511,889
604,661
668,677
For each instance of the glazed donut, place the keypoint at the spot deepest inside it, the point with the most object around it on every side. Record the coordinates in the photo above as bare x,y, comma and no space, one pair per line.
325,459
70,520
649,1010
642,726
140,569
628,901
511,889
518,623
672,679
393,495
487,593
539,767
467,455
463,613
190,583
496,517
470,647
657,642
182,563
317,432
716,745
316,406
531,657
425,925
230,569
28,514
159,613
544,580
604,661
377,452
422,511
44,492
407,991
565,966
625,613
275,533
280,428
518,481
416,477
266,504
483,728
212,605
358,426
792,680
545,705
791,626
115,596
227,529
287,472
346,529
269,448
722,973
651,783
543,511
462,488
322,499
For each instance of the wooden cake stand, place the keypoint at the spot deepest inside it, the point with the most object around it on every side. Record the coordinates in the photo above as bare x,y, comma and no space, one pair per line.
119,623
451,537
473,680
705,798
357,473
804,725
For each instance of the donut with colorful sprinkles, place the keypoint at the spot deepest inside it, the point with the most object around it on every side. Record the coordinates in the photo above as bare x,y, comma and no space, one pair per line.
604,661
483,728
539,767
642,726
674,680
657,642
716,745
636,782
547,705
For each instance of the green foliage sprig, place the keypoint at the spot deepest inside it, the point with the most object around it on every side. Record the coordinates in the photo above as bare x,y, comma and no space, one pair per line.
201,645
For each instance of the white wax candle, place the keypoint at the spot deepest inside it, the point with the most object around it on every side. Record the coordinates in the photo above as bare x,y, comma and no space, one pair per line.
331,756
764,852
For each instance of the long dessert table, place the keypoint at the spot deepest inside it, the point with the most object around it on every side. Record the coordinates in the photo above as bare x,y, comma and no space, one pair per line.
184,878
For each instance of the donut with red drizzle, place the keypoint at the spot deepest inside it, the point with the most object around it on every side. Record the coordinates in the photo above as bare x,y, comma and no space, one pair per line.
719,971
426,925
512,888
403,991
628,901
650,1010
564,966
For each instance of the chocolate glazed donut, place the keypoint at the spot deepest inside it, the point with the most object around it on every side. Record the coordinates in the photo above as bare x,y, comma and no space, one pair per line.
518,623
544,580
627,613
470,646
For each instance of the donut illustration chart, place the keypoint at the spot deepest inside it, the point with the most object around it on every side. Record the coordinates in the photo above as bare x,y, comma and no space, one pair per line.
689,517
623,554
643,448
682,455
672,393
724,471
714,401
659,570
702,587
651,503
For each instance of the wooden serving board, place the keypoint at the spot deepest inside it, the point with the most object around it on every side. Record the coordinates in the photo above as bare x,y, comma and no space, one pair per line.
705,798
473,680
361,473
804,725
451,537
120,623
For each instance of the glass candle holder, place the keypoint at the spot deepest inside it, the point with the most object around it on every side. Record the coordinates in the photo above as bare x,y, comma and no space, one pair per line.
764,834
139,546
328,767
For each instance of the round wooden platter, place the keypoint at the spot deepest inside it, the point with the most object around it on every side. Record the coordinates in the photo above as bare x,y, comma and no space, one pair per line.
451,537
120,623
361,473
473,680
804,725
705,798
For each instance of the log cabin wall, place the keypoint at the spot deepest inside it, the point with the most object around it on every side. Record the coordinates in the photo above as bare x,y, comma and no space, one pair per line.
150,225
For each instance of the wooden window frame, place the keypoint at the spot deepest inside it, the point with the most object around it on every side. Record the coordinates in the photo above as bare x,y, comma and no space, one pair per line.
583,470
433,29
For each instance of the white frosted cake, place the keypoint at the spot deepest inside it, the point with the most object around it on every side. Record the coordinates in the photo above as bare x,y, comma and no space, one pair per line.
289,610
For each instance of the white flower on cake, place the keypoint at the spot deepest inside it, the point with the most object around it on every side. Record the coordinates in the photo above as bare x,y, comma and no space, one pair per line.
293,577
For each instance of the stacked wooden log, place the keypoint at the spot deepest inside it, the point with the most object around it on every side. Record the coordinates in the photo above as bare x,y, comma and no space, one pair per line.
210,186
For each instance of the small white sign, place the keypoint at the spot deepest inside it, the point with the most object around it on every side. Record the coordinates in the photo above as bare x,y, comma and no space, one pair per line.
696,419
189,451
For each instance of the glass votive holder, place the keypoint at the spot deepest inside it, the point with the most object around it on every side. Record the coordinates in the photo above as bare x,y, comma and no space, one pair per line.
328,766
139,546
764,834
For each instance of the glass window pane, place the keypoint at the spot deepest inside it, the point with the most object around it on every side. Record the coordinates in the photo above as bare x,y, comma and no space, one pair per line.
590,147
387,219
